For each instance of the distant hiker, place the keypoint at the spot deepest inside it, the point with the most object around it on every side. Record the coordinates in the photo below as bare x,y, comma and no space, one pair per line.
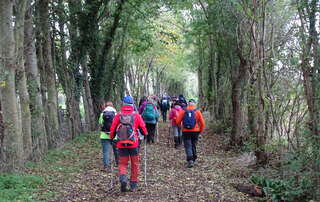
105,121
142,100
177,133
164,107
150,116
174,101
192,125
182,101
142,105
125,127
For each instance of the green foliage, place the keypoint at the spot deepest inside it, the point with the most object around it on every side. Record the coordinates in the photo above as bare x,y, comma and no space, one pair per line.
247,146
55,155
88,138
58,166
57,159
282,190
220,126
299,174
15,187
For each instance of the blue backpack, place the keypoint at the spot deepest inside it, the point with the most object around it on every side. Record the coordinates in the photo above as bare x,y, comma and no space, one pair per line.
189,119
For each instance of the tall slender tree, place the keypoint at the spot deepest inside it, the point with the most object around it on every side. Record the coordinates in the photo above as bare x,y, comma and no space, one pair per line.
20,10
52,103
39,135
12,143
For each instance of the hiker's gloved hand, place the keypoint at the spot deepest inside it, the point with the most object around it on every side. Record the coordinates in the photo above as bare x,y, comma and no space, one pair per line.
115,140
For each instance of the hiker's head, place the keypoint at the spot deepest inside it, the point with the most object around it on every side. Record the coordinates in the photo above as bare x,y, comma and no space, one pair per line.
127,100
109,104
192,102
150,99
177,106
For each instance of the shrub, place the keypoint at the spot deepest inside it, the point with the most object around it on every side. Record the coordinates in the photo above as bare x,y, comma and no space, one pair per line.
283,190
16,187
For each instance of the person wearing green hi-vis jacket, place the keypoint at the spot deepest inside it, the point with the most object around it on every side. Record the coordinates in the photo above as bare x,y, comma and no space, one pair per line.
105,121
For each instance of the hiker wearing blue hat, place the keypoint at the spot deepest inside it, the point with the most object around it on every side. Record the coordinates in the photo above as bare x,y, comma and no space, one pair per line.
125,127
127,100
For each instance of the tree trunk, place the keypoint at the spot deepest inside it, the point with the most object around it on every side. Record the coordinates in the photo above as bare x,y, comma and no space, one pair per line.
200,90
218,100
12,154
237,80
202,102
211,81
21,78
65,78
258,65
70,101
310,54
87,99
99,71
39,135
43,76
50,74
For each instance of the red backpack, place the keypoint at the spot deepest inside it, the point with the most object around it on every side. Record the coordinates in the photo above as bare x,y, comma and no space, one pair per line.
125,130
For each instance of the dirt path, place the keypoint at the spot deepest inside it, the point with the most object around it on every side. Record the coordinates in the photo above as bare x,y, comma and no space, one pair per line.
168,179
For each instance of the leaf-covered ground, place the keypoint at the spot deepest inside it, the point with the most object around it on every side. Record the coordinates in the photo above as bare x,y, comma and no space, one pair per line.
73,173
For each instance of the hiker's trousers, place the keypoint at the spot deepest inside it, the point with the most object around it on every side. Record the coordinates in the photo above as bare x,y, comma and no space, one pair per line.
164,115
151,128
106,144
126,154
176,131
190,140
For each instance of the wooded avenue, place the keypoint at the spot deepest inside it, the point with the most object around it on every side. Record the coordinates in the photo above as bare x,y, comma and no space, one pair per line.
243,72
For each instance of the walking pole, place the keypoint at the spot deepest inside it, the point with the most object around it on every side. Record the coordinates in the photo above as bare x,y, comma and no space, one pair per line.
169,136
112,183
157,131
145,162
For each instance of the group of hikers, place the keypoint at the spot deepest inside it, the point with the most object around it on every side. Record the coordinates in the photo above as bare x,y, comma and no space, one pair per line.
125,130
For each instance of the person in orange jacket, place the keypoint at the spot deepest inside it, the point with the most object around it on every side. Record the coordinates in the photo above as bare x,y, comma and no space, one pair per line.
193,124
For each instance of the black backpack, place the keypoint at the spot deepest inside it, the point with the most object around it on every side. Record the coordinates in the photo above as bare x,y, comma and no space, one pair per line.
108,117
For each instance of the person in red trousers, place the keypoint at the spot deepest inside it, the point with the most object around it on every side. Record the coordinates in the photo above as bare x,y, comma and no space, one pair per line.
125,126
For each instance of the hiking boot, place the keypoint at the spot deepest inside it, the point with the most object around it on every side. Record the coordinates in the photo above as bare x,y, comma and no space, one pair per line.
176,142
123,187
180,140
190,164
133,186
123,183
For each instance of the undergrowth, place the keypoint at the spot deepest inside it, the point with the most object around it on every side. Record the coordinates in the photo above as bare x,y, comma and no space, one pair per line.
60,163
15,187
